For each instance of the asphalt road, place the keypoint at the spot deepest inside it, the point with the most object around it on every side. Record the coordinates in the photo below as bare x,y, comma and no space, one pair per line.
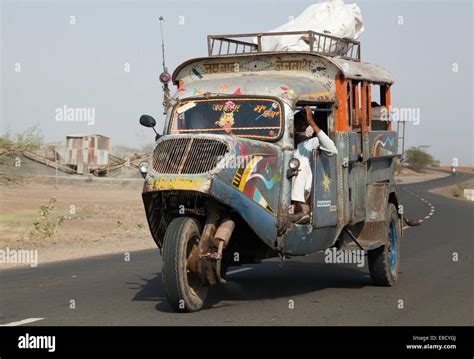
433,289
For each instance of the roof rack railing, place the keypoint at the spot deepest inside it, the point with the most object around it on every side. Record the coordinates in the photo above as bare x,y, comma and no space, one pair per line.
325,44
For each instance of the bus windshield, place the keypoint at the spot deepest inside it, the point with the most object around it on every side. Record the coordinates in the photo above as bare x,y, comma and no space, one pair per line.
244,117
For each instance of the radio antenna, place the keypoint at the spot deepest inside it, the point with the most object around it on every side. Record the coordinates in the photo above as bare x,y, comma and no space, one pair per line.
165,77
162,43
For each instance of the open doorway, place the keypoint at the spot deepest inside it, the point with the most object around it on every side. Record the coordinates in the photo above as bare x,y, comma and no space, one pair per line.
321,112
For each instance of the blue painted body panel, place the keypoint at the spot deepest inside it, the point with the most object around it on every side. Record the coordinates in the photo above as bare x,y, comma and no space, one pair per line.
262,222
324,190
304,239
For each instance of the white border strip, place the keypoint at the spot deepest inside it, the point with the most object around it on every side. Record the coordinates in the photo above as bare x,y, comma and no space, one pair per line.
239,270
21,322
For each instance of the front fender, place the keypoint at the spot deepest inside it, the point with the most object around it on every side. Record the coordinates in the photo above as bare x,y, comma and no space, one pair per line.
262,221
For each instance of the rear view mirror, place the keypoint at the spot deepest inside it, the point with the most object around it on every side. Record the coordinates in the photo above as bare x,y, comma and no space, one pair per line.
147,121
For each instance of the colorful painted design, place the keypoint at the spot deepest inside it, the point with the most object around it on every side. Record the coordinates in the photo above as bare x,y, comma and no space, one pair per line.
224,87
265,113
197,91
237,92
257,170
196,73
287,93
227,118
381,145
326,183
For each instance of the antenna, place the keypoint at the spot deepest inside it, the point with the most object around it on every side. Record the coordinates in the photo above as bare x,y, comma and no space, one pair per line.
165,77
161,18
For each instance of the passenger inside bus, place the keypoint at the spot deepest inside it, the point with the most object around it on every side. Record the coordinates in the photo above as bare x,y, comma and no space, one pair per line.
308,137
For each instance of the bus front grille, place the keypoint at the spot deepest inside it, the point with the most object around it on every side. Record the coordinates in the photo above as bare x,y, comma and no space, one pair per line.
188,155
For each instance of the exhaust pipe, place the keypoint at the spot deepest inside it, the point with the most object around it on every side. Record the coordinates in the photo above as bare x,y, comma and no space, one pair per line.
221,239
223,233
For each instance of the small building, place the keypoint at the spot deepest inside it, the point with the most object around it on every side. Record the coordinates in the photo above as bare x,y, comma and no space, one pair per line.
87,152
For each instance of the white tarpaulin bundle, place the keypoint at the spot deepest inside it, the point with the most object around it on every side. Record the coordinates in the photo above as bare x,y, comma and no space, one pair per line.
333,18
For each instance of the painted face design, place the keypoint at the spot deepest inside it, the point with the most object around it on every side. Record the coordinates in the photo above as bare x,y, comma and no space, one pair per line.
227,118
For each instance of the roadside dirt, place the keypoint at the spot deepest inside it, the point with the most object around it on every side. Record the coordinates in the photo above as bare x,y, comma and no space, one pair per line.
455,191
98,218
463,169
408,176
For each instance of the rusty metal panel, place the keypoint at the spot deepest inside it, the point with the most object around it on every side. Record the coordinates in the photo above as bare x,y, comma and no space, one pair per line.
91,160
381,171
90,150
343,144
355,146
370,235
363,71
102,157
358,191
377,199
102,143
80,156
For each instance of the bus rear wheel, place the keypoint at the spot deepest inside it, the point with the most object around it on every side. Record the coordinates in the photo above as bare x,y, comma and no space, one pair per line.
384,261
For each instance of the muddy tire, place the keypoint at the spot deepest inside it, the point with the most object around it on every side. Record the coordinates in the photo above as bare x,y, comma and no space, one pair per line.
384,262
184,289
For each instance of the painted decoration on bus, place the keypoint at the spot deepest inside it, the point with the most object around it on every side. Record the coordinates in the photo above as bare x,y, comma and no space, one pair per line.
242,117
257,178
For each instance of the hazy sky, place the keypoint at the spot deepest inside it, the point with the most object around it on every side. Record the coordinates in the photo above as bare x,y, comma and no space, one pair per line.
49,63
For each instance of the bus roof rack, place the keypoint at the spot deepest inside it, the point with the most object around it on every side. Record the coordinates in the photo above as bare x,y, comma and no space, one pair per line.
324,44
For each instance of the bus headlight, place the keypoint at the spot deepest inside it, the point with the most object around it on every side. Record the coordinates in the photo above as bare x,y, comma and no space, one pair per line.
143,168
293,167
294,164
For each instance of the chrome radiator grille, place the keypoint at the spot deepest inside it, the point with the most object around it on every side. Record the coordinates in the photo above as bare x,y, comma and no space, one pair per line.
188,155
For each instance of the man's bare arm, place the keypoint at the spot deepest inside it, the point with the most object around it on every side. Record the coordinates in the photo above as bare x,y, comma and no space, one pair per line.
325,143
310,119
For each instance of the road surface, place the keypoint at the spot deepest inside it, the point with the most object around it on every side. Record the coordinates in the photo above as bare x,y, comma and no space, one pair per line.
433,289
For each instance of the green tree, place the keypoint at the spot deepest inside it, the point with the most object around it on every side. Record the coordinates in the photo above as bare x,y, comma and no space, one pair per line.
417,158
28,140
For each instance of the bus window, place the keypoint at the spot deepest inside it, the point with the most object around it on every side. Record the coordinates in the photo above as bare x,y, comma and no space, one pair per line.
379,107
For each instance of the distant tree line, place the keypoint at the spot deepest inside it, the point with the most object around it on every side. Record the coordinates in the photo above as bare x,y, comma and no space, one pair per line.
417,158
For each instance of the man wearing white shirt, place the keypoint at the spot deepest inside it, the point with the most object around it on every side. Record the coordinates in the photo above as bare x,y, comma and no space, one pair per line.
301,183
